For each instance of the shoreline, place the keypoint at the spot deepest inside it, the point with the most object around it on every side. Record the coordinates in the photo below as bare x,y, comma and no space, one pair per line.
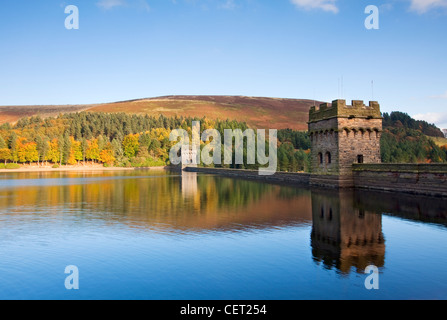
81,169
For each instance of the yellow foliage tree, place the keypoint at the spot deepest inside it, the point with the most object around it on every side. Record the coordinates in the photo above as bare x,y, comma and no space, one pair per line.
106,156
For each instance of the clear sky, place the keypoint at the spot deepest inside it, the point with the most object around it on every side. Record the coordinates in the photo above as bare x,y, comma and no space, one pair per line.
129,49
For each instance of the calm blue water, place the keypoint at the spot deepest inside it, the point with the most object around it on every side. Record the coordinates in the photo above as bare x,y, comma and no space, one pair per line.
146,235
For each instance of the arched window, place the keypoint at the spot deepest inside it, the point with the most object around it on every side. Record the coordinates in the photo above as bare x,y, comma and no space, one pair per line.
320,157
328,158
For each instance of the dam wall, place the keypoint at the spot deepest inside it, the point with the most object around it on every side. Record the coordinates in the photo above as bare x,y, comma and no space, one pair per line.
423,179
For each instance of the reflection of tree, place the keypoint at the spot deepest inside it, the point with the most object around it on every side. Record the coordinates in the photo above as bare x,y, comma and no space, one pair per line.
288,193
231,193
344,236
148,199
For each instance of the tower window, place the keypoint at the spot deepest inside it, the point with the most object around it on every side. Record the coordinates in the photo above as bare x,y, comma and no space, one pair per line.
328,158
320,156
360,158
361,213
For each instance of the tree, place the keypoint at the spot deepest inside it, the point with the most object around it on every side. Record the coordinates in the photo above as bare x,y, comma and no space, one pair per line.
2,143
42,147
77,130
61,148
5,154
77,149
21,150
71,158
106,156
84,147
67,153
145,140
13,146
118,152
27,152
101,143
31,152
154,147
53,151
92,152
131,145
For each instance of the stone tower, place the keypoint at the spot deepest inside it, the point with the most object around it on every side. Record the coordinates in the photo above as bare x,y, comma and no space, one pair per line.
342,135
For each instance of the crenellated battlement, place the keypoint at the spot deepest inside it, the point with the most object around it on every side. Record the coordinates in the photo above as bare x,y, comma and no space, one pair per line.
339,109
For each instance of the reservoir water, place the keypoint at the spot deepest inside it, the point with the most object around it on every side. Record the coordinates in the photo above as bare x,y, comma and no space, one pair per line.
161,235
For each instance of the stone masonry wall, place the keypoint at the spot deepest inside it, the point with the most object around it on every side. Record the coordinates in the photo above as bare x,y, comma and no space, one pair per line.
426,179
358,136
324,141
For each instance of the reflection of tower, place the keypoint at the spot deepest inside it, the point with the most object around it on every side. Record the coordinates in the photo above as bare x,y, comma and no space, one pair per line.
189,184
190,190
344,236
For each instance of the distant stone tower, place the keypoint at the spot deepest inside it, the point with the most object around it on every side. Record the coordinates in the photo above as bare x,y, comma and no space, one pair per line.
342,135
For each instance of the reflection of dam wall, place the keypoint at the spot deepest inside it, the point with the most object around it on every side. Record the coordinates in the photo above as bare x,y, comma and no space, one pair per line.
414,207
299,178
344,236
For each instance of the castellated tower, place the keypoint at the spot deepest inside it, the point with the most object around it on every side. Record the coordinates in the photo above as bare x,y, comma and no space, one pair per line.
342,135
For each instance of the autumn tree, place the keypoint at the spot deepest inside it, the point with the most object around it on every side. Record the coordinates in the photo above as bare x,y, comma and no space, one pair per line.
31,152
106,156
13,146
21,150
92,152
53,151
131,145
76,147
27,151
5,154
3,144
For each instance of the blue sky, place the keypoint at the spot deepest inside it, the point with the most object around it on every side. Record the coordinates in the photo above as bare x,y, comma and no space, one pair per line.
128,49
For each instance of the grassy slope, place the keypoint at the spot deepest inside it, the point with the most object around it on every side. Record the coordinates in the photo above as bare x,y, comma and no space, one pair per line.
274,113
13,113
257,112
439,141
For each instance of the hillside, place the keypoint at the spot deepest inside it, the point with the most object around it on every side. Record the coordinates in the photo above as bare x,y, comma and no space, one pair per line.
257,112
440,141
13,113
132,140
